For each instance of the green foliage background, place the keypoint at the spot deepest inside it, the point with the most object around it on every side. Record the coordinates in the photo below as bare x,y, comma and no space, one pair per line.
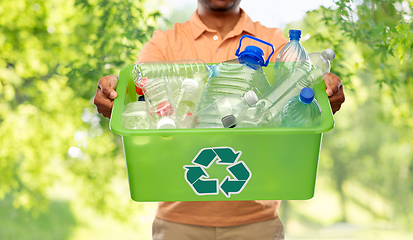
52,53
367,158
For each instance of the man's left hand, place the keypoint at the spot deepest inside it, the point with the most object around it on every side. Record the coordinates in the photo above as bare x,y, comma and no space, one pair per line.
334,90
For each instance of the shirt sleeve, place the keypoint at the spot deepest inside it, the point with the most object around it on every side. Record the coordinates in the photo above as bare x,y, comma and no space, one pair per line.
154,49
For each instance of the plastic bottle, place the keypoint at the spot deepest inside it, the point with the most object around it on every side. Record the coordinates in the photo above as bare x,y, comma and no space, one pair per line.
225,112
290,55
303,75
301,110
320,62
257,116
136,116
187,98
174,72
238,75
160,103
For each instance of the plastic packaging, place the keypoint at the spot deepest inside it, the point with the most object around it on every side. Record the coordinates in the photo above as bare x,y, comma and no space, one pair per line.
187,98
320,62
258,115
160,102
174,72
290,55
238,76
303,75
225,112
136,116
301,111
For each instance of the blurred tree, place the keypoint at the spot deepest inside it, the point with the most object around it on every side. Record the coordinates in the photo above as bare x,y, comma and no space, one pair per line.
383,162
52,54
371,143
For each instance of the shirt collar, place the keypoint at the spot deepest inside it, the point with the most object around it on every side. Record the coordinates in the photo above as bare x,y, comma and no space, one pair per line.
244,24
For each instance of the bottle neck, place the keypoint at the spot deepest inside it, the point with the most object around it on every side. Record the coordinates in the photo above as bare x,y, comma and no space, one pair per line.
303,101
325,56
286,83
245,101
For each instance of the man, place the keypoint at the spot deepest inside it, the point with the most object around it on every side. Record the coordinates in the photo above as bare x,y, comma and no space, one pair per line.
212,34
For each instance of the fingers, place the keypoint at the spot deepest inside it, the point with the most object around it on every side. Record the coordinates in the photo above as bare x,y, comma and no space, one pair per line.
334,90
337,100
332,82
107,85
105,93
103,103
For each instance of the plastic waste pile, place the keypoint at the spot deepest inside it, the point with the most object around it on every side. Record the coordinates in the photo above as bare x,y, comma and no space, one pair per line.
231,94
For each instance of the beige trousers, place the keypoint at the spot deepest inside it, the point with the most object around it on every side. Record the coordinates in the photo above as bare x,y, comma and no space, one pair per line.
267,230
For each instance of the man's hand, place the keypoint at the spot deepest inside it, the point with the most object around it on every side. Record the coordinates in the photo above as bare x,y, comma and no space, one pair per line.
334,90
105,93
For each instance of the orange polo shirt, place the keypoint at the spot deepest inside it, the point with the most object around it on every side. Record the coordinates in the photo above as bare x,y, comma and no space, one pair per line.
194,40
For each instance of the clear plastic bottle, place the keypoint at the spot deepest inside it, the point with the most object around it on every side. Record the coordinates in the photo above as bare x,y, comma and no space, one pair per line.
187,98
238,76
160,103
290,55
301,111
225,112
136,116
257,116
301,76
320,62
174,72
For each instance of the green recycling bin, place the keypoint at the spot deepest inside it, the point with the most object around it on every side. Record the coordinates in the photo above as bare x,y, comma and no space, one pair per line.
220,164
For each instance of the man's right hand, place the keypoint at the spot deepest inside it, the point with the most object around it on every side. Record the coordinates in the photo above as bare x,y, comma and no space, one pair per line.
105,93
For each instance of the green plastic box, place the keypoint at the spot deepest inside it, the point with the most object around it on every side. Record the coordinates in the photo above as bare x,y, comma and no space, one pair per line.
220,164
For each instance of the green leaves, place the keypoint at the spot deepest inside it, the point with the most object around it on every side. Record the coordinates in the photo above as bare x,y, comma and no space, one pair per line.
369,146
52,55
382,112
384,26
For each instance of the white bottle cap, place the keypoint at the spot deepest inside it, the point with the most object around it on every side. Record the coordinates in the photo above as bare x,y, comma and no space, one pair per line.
250,97
191,82
330,54
166,123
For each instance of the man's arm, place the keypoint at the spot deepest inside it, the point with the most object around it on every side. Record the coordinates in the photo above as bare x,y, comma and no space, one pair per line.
154,50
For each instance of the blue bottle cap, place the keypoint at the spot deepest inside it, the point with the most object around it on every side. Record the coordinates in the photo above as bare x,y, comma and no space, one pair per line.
306,95
258,53
252,56
294,34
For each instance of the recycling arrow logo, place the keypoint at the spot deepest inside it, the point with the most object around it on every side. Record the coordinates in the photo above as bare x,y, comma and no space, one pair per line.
198,178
